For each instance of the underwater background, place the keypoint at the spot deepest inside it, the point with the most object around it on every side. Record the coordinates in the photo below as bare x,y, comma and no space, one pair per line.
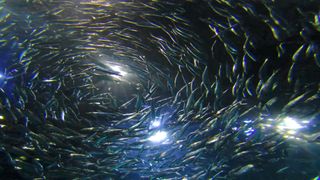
160,89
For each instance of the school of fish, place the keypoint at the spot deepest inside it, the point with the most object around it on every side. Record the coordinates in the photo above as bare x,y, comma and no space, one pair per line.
234,85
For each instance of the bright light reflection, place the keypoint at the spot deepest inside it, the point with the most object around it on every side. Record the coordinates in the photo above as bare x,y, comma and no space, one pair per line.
289,123
1,76
155,124
267,125
1,117
249,131
305,122
247,121
158,136
118,69
292,132
290,127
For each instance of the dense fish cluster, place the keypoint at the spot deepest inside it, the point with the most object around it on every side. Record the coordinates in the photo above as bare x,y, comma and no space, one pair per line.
174,89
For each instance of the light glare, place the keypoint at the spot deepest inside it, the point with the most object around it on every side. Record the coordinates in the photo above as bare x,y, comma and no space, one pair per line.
155,123
158,136
289,123
118,69
289,127
305,122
